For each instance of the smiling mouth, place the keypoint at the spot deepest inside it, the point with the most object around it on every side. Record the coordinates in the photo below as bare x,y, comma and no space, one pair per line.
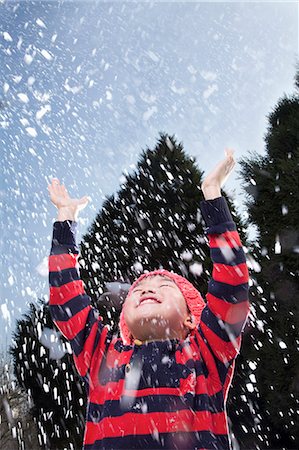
148,300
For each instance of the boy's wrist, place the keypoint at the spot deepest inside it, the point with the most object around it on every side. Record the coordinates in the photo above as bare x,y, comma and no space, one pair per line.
67,214
211,191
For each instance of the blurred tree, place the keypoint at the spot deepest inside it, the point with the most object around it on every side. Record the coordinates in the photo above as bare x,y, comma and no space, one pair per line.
272,200
17,428
45,370
154,221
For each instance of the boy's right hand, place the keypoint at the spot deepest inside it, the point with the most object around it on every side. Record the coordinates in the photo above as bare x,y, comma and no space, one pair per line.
63,202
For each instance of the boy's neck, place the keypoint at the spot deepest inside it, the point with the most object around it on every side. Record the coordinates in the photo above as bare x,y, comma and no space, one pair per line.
139,342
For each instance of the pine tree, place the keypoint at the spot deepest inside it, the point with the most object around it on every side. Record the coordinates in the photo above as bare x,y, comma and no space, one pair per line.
271,183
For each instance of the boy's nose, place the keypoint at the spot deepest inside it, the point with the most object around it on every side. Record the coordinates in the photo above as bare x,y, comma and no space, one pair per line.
147,290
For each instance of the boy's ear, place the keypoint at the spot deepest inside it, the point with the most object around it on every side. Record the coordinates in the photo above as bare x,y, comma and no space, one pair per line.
189,323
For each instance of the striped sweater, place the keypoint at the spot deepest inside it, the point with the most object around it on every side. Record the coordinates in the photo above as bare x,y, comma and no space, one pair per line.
164,394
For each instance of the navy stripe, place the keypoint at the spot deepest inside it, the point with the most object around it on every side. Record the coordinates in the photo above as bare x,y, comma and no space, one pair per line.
121,347
63,249
228,256
221,228
174,441
69,309
65,231
170,377
78,341
86,382
228,292
156,403
222,441
209,319
57,279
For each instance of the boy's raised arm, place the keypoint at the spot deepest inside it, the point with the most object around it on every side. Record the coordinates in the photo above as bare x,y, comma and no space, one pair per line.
227,309
227,297
70,306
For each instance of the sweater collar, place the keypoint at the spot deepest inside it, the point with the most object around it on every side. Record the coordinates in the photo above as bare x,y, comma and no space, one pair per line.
170,344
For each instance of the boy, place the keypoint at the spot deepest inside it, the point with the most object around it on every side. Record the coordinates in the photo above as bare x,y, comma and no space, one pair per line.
164,382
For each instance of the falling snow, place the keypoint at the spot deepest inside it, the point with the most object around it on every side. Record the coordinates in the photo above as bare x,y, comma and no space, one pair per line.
7,36
78,102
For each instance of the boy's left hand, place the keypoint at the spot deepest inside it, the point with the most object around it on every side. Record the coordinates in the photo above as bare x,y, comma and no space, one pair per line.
211,186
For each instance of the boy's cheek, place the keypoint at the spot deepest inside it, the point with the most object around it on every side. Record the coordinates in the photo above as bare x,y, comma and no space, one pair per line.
129,311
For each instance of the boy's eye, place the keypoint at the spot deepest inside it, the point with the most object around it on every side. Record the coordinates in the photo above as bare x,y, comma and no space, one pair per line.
162,285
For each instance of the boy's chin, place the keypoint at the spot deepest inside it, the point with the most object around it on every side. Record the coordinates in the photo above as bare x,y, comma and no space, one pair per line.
154,328
152,324
153,333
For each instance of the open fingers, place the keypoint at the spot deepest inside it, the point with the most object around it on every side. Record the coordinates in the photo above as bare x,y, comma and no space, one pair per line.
56,187
230,163
54,182
229,152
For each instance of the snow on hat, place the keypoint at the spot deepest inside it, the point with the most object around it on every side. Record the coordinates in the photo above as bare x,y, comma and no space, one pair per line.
191,295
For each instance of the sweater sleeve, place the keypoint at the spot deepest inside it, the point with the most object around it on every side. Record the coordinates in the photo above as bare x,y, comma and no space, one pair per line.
70,306
227,308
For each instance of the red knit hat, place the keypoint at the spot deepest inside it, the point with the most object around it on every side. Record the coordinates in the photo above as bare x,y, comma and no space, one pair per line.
191,295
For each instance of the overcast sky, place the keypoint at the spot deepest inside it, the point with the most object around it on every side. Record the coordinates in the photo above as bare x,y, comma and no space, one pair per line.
85,86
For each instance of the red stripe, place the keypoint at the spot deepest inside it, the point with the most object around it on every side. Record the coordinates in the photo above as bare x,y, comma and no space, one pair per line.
82,361
186,353
224,351
62,294
63,261
75,324
115,389
218,423
233,275
228,312
213,381
116,358
162,422
229,238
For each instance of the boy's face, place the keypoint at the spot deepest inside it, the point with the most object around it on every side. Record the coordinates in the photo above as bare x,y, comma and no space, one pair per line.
163,316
